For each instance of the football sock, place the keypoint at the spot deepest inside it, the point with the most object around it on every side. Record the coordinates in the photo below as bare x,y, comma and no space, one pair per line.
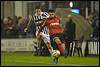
61,48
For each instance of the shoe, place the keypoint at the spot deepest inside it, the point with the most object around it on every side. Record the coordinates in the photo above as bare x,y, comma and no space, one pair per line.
55,60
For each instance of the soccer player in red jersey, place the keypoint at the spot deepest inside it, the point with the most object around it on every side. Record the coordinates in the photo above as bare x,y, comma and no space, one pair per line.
55,32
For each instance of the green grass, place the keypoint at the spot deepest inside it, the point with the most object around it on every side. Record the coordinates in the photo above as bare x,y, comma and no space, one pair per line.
27,59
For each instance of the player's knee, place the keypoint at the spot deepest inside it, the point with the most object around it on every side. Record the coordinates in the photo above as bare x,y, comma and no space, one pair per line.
57,40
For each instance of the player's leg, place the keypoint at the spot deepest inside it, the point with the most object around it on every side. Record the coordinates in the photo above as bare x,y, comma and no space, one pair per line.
49,47
38,38
46,39
54,45
63,46
60,44
37,42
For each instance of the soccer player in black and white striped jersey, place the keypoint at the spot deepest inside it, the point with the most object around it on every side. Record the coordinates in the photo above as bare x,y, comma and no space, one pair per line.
38,18
38,21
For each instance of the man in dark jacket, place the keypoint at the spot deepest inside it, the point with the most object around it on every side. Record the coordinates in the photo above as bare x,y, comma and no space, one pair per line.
69,32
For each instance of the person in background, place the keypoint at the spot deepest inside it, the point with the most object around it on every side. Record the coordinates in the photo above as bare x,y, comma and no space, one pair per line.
69,33
15,26
31,32
95,20
21,27
8,28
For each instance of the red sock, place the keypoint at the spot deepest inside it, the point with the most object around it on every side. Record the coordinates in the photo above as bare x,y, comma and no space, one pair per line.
61,49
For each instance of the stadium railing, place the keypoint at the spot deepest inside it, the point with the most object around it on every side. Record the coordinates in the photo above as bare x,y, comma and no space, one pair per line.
88,47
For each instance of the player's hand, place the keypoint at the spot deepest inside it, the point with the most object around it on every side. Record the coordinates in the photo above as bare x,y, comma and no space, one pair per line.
25,30
36,33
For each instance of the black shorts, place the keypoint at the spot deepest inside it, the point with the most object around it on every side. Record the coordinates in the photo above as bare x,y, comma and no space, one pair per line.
54,45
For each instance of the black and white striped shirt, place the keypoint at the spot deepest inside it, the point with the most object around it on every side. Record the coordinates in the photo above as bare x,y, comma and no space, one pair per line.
38,19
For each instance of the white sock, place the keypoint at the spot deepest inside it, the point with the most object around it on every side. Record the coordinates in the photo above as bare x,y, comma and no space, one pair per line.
51,51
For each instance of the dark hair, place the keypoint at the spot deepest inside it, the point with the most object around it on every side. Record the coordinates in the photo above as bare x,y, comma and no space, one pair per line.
9,18
37,7
51,10
19,17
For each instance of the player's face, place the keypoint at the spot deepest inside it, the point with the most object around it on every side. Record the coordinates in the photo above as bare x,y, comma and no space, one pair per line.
38,11
51,14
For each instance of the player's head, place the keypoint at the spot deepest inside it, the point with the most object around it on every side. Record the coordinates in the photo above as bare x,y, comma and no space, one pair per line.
38,10
51,13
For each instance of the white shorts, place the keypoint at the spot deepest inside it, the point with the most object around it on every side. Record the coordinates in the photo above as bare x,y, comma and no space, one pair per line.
46,38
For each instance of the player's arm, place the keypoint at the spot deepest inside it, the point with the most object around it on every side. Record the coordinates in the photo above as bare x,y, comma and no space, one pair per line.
29,24
42,26
38,24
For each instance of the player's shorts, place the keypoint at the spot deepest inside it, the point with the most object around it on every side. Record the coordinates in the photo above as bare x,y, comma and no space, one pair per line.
45,37
54,45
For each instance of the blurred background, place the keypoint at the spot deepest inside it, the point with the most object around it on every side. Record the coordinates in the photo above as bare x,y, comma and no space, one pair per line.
24,8
18,46
15,16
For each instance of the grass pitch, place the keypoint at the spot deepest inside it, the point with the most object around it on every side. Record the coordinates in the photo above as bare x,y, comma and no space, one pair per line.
28,59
